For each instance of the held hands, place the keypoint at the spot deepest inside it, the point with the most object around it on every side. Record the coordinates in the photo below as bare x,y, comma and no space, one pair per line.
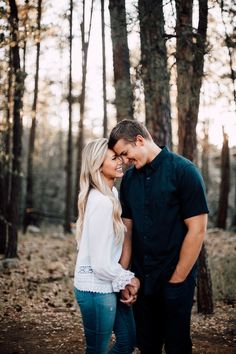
130,293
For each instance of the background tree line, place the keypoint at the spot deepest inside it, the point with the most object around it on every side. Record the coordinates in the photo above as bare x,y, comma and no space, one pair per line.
161,81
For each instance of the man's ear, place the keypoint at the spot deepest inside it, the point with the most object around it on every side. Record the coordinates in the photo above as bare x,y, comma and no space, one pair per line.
139,140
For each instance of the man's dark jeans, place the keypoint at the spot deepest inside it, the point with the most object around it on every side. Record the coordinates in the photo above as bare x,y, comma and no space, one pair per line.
164,319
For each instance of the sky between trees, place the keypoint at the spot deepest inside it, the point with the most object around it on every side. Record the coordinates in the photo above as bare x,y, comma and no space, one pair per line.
216,102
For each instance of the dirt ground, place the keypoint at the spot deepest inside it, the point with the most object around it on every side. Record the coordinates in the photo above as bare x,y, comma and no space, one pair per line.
38,313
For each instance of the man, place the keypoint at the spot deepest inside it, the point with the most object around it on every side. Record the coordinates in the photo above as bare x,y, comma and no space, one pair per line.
165,211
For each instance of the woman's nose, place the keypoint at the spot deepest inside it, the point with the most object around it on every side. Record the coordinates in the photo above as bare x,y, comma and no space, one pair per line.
125,159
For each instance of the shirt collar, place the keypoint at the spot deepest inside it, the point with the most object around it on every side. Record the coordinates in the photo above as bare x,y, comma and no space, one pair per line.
155,163
164,153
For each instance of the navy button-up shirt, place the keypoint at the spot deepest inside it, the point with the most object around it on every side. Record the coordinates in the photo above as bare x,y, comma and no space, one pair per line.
158,198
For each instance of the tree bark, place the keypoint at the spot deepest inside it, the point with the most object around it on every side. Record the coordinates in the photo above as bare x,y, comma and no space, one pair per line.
230,47
121,63
104,72
11,249
29,203
3,216
5,162
233,223
3,199
190,50
80,140
205,155
224,184
25,20
154,71
3,195
204,285
184,60
67,226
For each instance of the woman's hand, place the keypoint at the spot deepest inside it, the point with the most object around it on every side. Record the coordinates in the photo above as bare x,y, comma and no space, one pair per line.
130,293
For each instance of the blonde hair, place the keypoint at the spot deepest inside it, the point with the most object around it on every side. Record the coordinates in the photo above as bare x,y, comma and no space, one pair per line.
93,157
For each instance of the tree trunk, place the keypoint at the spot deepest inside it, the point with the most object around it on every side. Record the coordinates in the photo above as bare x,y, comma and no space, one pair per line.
3,217
190,50
5,165
67,226
80,140
3,196
154,71
121,63
184,59
11,249
3,193
205,155
25,23
230,47
233,224
29,204
204,285
104,72
224,185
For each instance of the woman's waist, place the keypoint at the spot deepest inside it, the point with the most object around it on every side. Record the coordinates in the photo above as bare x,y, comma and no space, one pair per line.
85,279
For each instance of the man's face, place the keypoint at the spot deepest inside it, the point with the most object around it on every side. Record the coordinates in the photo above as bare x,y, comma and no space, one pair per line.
131,153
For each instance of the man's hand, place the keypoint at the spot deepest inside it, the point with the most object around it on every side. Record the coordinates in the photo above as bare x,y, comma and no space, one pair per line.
129,294
134,286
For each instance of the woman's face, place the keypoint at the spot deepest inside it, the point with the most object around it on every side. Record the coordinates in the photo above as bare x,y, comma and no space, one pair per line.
112,166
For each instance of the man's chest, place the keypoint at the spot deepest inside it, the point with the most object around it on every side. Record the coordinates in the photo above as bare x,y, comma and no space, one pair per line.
152,192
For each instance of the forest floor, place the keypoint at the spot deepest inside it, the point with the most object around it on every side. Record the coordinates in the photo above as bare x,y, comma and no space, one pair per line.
38,313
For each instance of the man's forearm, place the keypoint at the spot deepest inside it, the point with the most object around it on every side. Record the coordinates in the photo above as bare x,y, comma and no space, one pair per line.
190,249
127,245
188,256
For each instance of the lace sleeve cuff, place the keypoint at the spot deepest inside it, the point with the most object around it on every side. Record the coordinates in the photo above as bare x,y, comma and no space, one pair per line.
122,280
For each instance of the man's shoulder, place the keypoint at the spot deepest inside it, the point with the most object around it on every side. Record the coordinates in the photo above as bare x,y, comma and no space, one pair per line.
178,158
180,161
179,166
184,169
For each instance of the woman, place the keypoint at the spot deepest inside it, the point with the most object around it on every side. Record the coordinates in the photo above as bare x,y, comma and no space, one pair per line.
98,274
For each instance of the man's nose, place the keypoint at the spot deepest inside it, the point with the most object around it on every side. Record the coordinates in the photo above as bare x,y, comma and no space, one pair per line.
120,158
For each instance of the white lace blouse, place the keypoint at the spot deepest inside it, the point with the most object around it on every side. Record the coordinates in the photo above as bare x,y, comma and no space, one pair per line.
97,267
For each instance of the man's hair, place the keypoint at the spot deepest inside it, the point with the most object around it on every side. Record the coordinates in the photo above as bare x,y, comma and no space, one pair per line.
127,129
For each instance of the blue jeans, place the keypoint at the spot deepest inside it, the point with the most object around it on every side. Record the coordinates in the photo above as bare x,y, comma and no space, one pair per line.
101,314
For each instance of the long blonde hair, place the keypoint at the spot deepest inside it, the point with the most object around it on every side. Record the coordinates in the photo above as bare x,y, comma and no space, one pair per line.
93,157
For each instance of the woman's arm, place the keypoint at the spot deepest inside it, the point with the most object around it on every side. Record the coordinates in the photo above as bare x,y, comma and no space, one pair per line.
129,295
101,243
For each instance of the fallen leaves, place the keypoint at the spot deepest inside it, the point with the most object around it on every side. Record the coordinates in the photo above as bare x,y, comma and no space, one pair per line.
38,311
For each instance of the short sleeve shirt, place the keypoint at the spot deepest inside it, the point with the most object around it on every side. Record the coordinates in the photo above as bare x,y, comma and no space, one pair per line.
158,198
